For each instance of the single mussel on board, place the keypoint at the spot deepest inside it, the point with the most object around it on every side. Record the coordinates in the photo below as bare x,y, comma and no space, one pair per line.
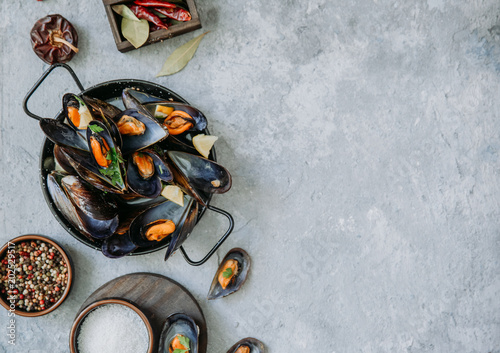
231,274
85,207
195,174
248,345
179,332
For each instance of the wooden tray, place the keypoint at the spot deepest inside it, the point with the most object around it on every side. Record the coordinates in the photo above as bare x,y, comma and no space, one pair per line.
124,45
157,296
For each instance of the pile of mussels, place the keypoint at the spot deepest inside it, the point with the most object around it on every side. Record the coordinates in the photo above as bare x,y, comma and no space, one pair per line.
113,164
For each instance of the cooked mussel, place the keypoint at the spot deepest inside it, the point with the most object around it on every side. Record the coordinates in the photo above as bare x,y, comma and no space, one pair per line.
179,332
198,175
164,109
106,154
85,207
145,172
77,113
248,345
153,226
138,130
81,162
231,274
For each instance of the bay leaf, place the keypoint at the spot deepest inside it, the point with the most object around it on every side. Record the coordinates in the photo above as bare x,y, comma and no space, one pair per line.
125,12
136,32
180,57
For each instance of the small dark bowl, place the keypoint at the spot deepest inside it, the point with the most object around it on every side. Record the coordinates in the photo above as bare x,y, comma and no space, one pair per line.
75,329
67,260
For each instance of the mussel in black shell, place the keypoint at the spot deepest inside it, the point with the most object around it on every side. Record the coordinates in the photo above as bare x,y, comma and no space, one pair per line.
231,274
196,174
248,345
138,130
179,332
117,245
159,224
145,172
86,208
106,154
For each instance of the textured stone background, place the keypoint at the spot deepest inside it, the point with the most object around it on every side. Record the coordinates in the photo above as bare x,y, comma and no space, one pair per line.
363,138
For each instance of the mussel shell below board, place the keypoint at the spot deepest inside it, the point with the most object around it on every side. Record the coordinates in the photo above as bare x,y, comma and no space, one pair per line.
110,92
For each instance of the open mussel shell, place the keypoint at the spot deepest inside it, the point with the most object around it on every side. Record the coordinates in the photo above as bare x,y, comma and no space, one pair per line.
179,324
164,211
149,186
81,162
253,346
77,113
198,117
86,208
187,227
102,147
243,259
63,134
196,174
63,203
117,245
153,132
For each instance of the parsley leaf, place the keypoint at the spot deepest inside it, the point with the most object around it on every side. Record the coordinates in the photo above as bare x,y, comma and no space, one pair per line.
227,273
113,170
180,351
96,128
184,341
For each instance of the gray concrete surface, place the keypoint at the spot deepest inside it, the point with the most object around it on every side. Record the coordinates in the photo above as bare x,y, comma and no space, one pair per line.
363,138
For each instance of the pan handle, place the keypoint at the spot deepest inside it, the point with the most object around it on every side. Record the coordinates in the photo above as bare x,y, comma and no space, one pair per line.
219,243
39,82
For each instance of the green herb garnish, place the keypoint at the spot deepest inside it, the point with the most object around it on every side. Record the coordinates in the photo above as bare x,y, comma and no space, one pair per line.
96,128
185,342
113,171
227,273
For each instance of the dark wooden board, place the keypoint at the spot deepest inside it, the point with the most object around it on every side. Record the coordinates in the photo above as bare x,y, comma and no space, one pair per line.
124,45
157,296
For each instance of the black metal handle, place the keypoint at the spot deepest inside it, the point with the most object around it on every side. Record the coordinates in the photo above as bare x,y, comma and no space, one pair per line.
219,243
39,82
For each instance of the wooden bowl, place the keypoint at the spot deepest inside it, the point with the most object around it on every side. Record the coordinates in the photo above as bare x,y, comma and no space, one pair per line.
67,260
73,336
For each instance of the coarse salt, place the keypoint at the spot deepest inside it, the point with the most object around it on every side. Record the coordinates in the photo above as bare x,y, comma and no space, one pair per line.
113,328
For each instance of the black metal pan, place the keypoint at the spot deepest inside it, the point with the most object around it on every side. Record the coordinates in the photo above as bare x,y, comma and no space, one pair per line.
111,91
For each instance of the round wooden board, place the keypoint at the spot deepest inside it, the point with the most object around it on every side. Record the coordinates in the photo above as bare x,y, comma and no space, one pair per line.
157,296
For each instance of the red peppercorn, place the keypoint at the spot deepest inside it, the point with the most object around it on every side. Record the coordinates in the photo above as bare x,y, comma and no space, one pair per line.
30,267
42,302
57,289
21,296
15,291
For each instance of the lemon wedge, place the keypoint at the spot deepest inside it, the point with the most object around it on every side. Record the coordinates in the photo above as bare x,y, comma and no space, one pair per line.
203,143
162,111
173,193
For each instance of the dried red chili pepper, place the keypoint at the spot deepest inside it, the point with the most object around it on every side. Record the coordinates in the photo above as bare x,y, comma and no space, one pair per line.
178,13
54,39
144,13
154,3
